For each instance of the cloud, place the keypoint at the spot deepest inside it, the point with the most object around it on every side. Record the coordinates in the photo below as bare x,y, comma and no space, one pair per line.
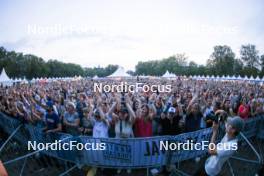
118,32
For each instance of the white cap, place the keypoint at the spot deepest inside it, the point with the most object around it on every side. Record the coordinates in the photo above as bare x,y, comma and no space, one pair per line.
172,110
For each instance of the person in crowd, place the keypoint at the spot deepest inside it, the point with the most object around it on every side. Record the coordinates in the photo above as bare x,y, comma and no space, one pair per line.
123,120
209,108
80,105
226,106
244,109
53,123
86,127
170,121
143,122
59,104
224,149
159,106
21,113
100,122
38,116
71,120
193,116
11,107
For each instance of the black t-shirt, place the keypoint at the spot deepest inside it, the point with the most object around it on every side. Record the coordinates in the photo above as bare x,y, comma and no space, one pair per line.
170,126
193,121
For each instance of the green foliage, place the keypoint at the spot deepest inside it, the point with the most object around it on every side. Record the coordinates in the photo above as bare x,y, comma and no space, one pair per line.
100,71
221,62
158,67
249,55
30,66
262,64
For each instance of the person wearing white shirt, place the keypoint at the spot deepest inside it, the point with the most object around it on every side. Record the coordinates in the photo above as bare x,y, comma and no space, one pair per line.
100,124
224,149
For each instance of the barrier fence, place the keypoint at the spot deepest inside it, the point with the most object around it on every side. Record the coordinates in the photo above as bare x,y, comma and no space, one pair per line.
120,153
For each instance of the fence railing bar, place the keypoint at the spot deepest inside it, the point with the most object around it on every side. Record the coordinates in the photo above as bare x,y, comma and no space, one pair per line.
10,137
244,159
252,147
260,151
180,172
230,167
69,170
24,164
32,153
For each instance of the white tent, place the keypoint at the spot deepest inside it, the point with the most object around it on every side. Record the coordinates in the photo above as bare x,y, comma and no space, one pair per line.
167,74
257,79
95,77
251,78
246,78
120,72
25,81
233,77
4,79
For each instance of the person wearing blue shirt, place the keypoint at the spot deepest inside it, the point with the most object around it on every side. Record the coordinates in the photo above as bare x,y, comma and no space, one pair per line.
53,123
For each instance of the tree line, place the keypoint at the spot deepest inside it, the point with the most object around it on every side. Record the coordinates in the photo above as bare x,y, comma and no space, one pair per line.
31,66
222,61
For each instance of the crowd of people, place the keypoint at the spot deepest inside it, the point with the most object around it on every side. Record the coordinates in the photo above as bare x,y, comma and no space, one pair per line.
73,106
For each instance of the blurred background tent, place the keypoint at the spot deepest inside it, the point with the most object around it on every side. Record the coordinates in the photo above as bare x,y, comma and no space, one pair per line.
119,73
4,79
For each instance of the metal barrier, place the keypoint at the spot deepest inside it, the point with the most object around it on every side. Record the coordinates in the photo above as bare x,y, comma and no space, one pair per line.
119,153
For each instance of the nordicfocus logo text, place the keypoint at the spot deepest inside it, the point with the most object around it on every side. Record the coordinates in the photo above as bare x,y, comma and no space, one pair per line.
125,87
71,145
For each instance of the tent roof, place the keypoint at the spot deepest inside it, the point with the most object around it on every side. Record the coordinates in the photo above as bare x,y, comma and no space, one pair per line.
120,72
167,74
95,77
4,77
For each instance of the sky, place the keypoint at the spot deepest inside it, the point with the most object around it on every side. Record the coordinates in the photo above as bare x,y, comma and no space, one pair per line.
124,32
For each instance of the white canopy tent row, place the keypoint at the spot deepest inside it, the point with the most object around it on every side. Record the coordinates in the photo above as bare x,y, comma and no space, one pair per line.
228,78
45,79
167,74
120,73
19,80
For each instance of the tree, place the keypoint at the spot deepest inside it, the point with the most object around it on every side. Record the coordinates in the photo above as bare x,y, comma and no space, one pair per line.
238,67
262,64
222,60
132,73
2,52
249,55
193,64
173,64
100,71
193,68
